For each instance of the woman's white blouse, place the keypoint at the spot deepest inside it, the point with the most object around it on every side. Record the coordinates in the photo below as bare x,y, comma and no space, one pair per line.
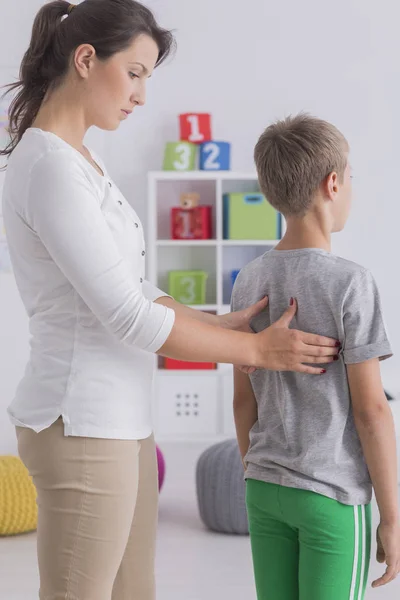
78,254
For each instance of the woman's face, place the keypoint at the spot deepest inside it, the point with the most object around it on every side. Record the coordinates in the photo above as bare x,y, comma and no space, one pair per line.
113,88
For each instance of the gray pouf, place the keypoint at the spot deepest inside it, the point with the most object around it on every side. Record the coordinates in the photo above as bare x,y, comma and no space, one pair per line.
221,489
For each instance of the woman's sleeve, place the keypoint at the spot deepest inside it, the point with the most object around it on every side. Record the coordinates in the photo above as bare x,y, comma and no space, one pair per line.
151,292
65,213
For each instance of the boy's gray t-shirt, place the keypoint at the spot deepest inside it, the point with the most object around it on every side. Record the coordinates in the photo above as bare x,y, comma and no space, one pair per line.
305,436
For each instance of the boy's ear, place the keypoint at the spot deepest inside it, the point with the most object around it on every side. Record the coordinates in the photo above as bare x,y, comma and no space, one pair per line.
330,185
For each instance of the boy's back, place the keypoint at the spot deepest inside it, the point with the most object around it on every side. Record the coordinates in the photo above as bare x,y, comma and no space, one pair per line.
313,446
305,436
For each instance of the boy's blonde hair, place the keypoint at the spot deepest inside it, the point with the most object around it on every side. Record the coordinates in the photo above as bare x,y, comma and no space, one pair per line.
294,156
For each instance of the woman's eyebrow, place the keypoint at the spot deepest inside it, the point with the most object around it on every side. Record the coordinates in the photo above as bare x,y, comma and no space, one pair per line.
145,70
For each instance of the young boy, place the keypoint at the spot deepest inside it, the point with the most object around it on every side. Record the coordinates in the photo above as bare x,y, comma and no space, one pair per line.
312,446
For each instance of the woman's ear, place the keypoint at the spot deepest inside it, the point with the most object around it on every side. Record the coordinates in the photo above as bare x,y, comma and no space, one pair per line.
83,59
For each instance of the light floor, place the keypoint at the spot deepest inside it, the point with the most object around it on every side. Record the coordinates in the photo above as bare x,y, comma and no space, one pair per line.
193,564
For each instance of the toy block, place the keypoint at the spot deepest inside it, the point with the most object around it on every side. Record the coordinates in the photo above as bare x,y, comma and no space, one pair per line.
215,156
195,127
180,156
188,287
191,223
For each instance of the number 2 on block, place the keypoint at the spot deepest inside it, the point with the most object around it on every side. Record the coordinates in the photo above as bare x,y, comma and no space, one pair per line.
213,152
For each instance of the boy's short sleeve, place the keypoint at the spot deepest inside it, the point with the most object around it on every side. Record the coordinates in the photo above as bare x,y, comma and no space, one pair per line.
363,323
236,304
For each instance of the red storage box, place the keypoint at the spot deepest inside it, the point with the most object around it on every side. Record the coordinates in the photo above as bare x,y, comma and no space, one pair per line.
172,364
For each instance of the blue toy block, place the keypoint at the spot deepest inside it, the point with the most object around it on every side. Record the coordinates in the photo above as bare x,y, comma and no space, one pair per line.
215,156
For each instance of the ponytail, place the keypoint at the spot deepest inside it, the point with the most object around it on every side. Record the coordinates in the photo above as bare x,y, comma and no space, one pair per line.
36,72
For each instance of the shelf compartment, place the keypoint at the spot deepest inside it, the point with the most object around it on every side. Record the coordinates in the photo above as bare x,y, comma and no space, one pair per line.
172,258
235,257
168,195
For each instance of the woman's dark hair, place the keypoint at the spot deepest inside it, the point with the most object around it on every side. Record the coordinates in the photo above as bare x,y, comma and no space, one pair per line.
59,28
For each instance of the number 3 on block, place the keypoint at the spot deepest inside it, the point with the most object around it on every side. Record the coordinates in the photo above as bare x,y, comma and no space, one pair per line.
215,156
180,156
195,127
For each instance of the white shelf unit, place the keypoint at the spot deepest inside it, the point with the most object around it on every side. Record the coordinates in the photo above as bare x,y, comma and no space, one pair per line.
196,404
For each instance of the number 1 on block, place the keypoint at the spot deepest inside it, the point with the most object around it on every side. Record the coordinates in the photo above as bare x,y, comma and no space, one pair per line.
195,127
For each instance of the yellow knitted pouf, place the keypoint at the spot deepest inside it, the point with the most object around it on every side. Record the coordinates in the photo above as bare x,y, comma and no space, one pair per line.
18,510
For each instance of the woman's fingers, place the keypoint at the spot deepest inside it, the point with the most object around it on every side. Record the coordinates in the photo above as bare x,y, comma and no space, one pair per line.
318,341
317,345
305,364
316,360
320,351
255,309
300,368
241,319
250,312
288,315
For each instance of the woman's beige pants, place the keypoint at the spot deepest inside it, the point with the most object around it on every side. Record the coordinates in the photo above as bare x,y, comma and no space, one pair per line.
97,503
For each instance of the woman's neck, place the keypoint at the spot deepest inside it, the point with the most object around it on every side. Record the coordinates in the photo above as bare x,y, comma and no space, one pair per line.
63,115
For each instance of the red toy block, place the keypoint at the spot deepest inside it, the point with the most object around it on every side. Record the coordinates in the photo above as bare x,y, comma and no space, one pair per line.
192,223
173,365
195,127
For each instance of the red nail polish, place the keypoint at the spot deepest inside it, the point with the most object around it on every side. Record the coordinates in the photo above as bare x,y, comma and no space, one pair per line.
323,371
291,301
336,357
338,344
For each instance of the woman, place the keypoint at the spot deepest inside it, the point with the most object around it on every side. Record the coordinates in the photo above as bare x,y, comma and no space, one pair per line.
82,410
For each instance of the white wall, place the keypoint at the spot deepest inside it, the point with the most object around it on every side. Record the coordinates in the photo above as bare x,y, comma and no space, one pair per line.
248,63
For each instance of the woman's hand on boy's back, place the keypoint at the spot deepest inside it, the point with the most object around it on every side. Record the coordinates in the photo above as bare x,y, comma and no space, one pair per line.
240,320
284,349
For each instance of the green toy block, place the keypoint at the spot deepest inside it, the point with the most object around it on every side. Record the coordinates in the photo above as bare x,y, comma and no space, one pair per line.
180,156
250,217
188,287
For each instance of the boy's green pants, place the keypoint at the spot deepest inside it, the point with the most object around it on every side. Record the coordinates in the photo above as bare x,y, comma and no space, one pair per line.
306,546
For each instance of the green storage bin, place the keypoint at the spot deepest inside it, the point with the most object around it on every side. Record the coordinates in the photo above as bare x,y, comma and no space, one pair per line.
188,287
250,217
